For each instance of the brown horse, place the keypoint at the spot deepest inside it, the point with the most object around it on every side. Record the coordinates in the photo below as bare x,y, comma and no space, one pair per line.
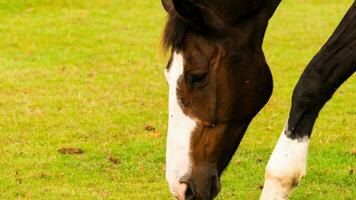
218,81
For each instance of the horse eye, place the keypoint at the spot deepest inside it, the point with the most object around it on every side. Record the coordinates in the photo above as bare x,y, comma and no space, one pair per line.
196,79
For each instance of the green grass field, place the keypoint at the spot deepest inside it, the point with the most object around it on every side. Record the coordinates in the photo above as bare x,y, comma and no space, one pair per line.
89,75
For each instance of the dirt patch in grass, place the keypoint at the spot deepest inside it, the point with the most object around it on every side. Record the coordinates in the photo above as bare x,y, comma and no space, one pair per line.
149,128
70,150
114,161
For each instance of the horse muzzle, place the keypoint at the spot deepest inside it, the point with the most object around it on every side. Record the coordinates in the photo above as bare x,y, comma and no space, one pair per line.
200,187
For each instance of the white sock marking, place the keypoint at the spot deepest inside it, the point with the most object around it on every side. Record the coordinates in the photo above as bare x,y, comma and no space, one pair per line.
285,168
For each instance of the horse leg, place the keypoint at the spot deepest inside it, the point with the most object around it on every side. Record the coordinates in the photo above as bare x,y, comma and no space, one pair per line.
328,69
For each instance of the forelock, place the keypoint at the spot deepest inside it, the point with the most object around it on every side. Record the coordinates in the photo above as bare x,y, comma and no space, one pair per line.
174,33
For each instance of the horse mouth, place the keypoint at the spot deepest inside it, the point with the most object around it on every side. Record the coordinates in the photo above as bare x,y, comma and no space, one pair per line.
193,193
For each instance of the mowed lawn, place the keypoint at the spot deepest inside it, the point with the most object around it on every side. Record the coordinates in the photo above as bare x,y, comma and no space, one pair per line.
88,75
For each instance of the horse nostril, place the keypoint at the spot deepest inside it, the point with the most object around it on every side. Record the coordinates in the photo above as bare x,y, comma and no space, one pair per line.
189,192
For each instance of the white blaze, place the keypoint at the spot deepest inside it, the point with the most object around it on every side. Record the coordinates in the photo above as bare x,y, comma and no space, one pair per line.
180,127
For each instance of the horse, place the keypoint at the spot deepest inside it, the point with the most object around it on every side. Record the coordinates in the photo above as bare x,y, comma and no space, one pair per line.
219,80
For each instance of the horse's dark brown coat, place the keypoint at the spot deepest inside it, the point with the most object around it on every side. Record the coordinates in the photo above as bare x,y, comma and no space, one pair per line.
328,69
226,79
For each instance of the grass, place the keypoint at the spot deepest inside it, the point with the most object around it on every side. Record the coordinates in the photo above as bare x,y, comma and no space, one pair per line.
88,74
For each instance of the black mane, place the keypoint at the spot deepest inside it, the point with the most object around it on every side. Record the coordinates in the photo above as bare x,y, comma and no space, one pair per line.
174,33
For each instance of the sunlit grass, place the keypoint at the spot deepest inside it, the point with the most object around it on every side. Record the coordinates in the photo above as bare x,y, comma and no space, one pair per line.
88,74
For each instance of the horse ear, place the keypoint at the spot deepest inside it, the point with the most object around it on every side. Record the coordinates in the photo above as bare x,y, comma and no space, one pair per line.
167,5
198,15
